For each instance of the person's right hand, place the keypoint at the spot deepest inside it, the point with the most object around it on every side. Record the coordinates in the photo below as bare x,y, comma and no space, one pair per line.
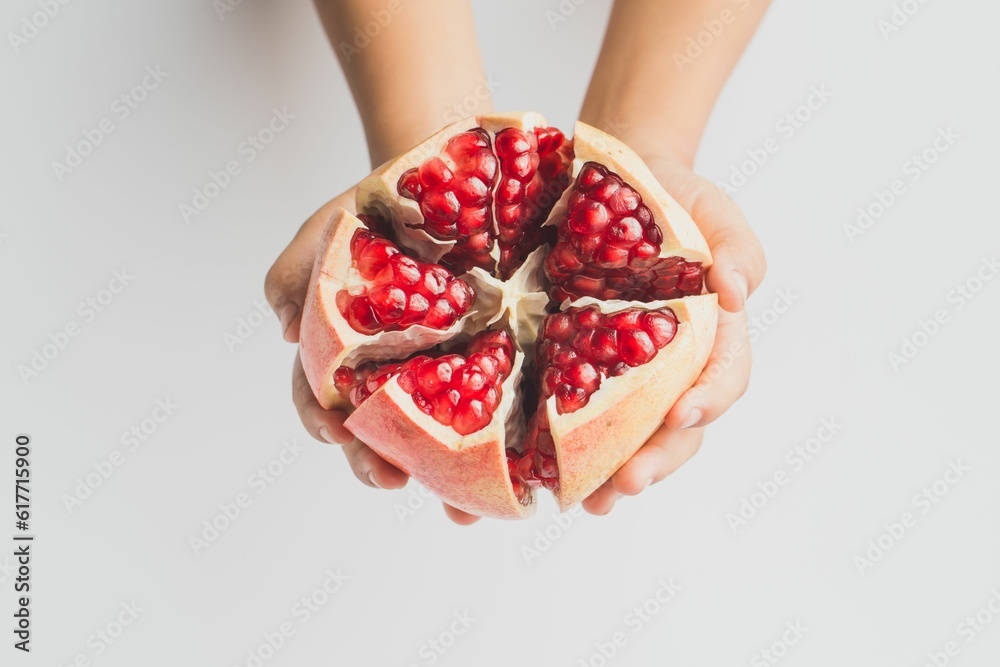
285,287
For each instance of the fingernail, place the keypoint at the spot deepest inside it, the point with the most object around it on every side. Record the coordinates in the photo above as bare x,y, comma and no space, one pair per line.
691,418
741,286
325,434
286,315
371,478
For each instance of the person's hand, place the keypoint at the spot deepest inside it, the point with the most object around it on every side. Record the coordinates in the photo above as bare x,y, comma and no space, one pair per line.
738,268
285,287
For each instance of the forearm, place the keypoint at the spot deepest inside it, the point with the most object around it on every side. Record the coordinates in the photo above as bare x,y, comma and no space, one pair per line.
414,74
648,89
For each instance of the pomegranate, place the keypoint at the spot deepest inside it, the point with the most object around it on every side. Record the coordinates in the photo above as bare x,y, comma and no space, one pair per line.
510,310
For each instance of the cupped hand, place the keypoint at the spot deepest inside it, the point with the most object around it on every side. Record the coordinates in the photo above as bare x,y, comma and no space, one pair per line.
738,268
285,286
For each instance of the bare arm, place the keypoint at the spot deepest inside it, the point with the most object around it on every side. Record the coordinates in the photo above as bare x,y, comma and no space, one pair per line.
649,88
408,75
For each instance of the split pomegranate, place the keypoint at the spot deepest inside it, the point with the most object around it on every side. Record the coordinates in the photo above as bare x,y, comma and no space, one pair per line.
513,311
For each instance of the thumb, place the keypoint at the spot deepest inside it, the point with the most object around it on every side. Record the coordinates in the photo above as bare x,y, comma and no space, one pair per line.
288,278
738,263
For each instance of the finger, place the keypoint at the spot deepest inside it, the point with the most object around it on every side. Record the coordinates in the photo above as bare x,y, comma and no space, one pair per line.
288,278
324,425
371,469
738,262
664,452
460,517
725,378
601,501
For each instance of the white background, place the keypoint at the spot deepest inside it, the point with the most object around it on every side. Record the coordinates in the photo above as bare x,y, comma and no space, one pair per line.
164,336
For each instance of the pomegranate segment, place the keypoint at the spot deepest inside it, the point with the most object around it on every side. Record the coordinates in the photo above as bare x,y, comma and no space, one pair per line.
455,198
534,172
608,246
458,391
576,349
399,291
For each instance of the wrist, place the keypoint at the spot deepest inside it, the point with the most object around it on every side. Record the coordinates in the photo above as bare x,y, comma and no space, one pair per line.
652,138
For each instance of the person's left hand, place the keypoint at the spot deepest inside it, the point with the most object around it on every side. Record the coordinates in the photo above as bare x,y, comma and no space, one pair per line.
738,268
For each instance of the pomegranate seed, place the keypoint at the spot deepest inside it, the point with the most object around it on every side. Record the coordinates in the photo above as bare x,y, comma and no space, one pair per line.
604,190
581,373
636,347
610,257
625,319
591,175
487,363
472,191
441,315
510,141
389,303
362,318
408,381
444,406
441,206
473,221
570,399
435,174
625,232
470,416
460,294
558,327
409,185
417,306
661,327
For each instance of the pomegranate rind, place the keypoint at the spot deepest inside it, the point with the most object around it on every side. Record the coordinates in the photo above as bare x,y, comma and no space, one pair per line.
468,472
595,441
681,236
327,340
